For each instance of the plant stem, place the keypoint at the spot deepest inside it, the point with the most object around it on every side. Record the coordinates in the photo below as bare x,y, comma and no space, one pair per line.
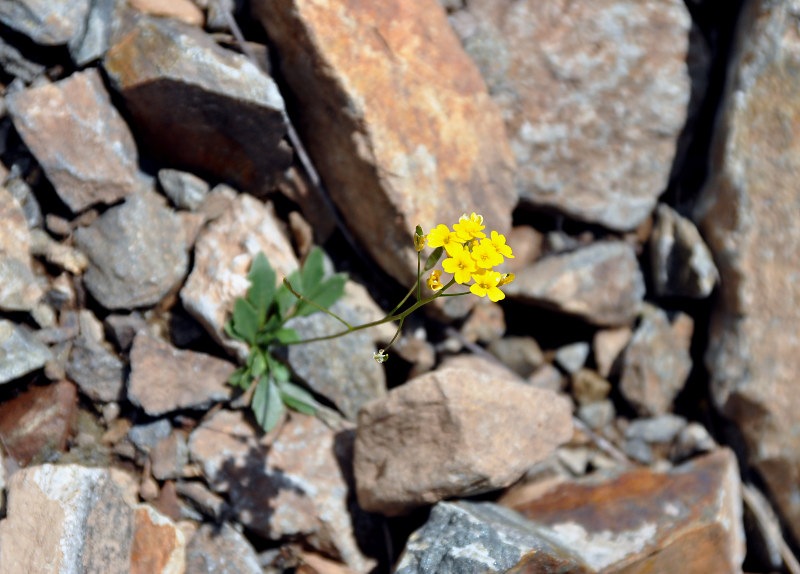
320,307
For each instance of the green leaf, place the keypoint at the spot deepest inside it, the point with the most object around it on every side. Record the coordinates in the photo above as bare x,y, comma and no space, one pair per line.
285,335
279,371
230,331
298,398
312,271
259,365
245,320
267,404
240,378
433,258
262,286
418,230
285,298
325,295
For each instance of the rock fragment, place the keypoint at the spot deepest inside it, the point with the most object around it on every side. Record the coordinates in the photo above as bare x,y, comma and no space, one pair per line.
19,288
82,143
96,369
215,550
452,432
21,352
45,22
185,190
159,546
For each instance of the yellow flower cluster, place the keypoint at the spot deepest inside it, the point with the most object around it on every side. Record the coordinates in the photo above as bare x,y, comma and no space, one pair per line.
471,256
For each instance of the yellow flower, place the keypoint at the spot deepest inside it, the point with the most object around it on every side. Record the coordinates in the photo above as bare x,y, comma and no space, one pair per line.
505,279
461,265
443,237
499,243
434,284
485,255
486,284
469,227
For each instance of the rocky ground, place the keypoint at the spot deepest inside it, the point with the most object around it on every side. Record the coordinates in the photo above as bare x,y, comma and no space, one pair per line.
629,407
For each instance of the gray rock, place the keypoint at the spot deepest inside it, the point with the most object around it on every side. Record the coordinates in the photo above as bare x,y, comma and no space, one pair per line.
185,190
14,63
342,369
220,550
137,253
654,430
694,438
547,377
20,352
147,436
520,354
198,106
98,372
601,283
66,518
103,21
639,450
478,538
81,141
682,264
46,22
597,414
22,192
572,357
123,328
169,456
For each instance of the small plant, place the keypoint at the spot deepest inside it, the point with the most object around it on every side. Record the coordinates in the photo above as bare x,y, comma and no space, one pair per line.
260,317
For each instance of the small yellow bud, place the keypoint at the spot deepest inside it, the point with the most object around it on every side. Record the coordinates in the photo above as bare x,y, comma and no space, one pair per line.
419,241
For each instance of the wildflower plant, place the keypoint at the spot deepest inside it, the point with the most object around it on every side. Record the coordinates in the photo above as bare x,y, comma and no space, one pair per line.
260,317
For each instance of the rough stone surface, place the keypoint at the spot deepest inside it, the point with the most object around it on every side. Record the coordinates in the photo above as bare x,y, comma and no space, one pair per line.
572,357
343,369
79,138
589,387
222,257
47,22
601,283
520,354
660,429
748,213
97,370
137,253
220,550
480,538
656,363
169,456
65,518
20,350
682,264
183,10
102,23
19,289
159,546
452,432
291,486
185,190
38,423
198,106
146,436
164,379
394,111
608,344
648,522
594,97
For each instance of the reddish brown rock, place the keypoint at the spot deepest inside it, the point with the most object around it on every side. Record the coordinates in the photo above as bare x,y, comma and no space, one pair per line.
70,127
165,379
159,546
748,213
452,432
594,96
396,117
689,519
38,422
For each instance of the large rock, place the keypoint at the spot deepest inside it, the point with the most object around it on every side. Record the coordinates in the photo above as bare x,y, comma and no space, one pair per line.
600,283
748,212
21,351
594,96
396,118
79,138
198,106
220,550
164,379
65,519
47,22
137,253
453,432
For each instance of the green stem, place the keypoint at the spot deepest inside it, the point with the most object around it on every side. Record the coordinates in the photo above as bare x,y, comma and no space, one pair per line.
396,333
419,279
310,302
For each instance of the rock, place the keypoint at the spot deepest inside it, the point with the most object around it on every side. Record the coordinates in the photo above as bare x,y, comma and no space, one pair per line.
660,429
222,257
682,265
38,423
169,457
589,387
183,10
19,288
485,323
158,546
342,370
594,97
472,538
185,190
197,106
220,550
61,255
20,350
210,504
16,64
452,432
694,438
123,328
527,244
137,253
520,354
65,518
607,345
394,115
656,364
44,22
644,521
164,379
547,377
573,356
102,23
147,435
747,213
300,489
70,127
597,414
97,370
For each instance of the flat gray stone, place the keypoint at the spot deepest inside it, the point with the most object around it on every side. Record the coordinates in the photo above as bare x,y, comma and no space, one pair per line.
96,370
184,190
46,22
20,352
220,550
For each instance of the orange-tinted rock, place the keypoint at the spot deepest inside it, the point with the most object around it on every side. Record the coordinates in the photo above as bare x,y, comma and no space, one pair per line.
159,546
748,213
396,118
183,10
39,421
687,520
